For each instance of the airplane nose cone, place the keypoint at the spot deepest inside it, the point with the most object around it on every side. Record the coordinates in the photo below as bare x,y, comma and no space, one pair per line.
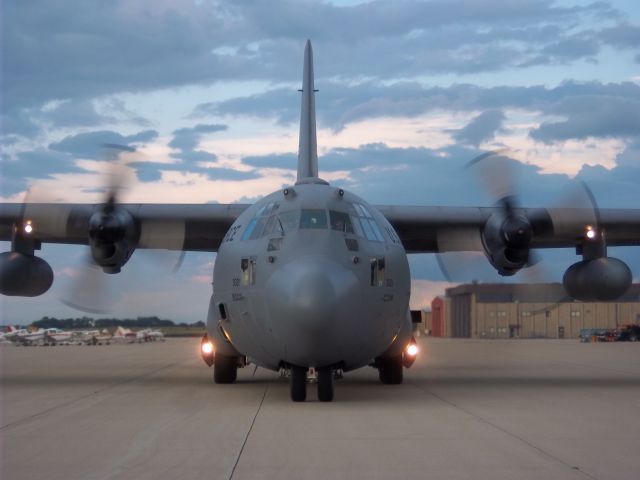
310,302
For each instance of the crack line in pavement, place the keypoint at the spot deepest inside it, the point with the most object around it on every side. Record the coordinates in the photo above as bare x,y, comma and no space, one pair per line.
83,397
235,465
503,430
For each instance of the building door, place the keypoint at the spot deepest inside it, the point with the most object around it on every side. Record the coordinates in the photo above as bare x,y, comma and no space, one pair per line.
461,316
437,317
514,331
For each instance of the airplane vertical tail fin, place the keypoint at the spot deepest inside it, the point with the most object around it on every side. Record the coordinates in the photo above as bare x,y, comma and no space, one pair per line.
308,146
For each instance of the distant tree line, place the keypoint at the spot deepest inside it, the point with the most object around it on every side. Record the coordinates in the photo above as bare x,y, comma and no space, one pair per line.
100,323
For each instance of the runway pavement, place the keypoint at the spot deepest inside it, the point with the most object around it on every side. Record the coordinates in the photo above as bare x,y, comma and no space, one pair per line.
536,409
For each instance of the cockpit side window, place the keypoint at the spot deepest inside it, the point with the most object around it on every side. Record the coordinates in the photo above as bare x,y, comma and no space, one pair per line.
273,226
340,221
365,224
259,225
289,220
313,219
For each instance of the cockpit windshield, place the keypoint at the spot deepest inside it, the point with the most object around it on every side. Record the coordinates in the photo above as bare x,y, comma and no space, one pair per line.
340,221
313,218
270,221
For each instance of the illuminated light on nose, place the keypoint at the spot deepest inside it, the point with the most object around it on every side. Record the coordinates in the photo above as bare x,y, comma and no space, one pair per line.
591,233
28,228
207,348
412,350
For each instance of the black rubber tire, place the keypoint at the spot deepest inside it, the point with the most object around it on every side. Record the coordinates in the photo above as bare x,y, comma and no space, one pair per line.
298,384
391,370
325,384
225,369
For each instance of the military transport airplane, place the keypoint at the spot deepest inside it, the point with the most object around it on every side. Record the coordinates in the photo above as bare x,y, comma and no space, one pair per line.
313,276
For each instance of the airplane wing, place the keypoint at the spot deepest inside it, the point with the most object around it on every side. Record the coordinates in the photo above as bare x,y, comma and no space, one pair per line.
439,229
187,227
201,227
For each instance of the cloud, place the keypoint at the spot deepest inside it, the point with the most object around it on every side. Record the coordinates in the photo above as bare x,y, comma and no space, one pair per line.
105,48
186,139
623,35
90,145
152,171
591,116
189,159
339,104
571,48
276,160
77,112
15,173
60,157
480,128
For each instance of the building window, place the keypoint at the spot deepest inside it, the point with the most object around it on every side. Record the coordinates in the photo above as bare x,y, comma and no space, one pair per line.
502,313
525,313
575,313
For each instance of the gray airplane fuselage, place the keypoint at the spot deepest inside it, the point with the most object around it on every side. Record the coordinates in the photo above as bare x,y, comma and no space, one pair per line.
310,276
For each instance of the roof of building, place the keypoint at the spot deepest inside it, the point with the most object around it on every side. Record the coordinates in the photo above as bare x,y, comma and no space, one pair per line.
526,293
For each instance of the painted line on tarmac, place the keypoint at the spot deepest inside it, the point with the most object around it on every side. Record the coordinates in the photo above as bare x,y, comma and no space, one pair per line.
244,443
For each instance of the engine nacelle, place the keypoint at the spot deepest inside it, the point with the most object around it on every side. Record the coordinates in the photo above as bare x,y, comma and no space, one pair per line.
600,279
506,241
113,236
24,275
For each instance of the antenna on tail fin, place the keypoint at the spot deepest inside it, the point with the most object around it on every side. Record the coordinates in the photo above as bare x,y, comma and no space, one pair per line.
308,146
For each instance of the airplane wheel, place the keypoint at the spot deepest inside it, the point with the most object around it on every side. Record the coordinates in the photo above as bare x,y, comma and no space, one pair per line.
325,384
225,369
391,370
298,384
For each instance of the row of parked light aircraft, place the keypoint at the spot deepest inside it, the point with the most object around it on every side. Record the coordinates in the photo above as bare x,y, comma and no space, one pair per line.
57,336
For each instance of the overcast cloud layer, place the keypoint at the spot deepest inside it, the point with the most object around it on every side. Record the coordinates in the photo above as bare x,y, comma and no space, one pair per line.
203,95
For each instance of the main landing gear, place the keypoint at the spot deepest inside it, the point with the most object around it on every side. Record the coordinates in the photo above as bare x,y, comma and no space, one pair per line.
298,384
225,369
390,370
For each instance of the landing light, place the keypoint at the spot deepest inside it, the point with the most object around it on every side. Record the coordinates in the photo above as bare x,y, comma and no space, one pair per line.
412,350
591,233
207,348
28,228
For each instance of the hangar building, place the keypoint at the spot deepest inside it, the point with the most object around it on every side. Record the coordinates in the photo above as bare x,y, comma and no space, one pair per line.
524,311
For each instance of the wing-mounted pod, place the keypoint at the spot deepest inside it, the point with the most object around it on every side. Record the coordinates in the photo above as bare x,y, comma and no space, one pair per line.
21,272
597,277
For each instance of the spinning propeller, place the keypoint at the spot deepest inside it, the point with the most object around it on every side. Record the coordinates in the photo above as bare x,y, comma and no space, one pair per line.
503,246
113,234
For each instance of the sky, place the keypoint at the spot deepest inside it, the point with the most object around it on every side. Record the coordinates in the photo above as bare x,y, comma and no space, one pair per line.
205,92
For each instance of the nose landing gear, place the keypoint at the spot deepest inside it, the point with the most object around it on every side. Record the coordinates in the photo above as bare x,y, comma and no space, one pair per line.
298,384
325,384
298,379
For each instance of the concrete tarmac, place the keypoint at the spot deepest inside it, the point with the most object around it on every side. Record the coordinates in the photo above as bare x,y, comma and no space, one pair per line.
528,409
